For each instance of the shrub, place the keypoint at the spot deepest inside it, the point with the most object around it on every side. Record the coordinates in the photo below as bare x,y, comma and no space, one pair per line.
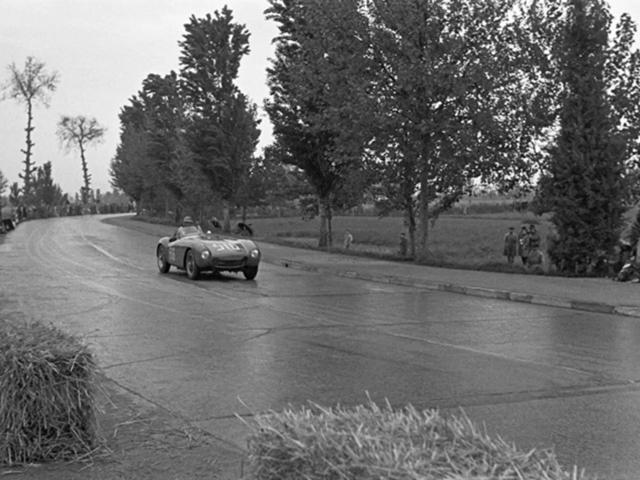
46,394
367,442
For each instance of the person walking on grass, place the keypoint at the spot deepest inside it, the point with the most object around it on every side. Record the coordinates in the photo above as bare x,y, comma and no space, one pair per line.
510,245
523,244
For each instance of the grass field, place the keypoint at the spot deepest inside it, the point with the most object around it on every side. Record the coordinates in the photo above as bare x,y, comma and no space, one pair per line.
471,241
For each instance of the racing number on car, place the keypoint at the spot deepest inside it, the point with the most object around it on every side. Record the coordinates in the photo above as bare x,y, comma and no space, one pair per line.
172,254
224,245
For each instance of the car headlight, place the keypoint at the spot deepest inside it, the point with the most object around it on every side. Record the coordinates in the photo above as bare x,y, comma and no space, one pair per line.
205,254
255,253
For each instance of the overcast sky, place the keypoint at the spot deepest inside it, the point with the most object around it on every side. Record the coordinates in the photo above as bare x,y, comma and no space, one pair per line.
102,50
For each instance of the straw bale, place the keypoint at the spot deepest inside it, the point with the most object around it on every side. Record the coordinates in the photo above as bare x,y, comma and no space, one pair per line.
46,394
369,442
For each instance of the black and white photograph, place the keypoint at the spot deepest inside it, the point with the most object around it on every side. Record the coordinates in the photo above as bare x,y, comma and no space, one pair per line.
320,239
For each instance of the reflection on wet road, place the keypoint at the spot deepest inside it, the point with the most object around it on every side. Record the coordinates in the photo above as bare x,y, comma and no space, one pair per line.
538,376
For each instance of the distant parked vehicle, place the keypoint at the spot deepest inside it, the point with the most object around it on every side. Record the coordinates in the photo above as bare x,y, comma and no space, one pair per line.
8,218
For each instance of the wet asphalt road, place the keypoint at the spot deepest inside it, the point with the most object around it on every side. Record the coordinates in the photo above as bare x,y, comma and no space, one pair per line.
537,376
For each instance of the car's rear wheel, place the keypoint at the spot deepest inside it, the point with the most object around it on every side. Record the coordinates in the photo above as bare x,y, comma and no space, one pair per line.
193,271
161,256
250,272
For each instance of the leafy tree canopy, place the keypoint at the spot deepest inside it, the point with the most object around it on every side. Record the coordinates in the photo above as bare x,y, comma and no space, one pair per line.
585,185
318,86
222,124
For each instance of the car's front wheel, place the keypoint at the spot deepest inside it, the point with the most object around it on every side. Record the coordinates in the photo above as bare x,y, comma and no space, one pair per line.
161,257
193,271
250,272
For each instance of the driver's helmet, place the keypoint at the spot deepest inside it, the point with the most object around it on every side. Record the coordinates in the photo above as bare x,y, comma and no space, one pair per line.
187,221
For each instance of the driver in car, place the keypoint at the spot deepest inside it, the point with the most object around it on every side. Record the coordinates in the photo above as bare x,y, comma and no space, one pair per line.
188,227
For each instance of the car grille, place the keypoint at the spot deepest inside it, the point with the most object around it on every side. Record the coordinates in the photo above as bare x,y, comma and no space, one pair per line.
236,263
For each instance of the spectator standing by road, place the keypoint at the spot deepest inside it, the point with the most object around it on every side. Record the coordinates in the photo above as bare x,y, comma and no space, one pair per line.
348,240
245,229
534,256
215,223
510,245
634,238
403,245
523,244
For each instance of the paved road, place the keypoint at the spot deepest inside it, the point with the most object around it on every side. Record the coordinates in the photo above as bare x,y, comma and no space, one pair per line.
536,375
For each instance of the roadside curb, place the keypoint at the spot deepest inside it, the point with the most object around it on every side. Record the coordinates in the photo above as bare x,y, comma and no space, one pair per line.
594,307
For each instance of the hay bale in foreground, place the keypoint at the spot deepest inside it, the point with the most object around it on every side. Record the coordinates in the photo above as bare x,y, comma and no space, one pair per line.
367,442
46,395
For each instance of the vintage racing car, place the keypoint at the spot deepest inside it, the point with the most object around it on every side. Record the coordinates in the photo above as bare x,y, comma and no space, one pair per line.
195,251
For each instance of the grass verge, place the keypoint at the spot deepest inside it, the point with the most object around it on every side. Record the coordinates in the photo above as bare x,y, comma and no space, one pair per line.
465,241
469,242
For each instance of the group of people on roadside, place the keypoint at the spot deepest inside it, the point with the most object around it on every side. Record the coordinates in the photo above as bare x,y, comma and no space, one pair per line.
525,244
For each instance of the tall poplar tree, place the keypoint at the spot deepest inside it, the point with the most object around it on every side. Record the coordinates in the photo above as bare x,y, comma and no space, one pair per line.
164,130
221,122
127,173
585,187
47,194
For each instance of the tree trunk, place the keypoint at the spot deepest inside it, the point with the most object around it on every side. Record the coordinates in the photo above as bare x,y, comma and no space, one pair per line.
28,167
226,217
85,175
411,226
423,234
326,235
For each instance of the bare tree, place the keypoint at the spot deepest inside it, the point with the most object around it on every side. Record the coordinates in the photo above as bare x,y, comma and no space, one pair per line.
79,132
31,85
